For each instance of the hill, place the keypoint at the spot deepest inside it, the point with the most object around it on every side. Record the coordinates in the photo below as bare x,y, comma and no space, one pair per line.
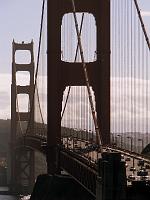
4,135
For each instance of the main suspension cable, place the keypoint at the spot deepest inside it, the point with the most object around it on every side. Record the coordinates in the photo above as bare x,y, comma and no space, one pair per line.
37,69
142,24
99,141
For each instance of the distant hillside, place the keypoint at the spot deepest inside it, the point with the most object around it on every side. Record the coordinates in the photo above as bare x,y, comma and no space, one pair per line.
5,127
4,134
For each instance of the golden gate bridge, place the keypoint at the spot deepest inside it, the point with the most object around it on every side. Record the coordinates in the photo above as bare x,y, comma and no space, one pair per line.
98,97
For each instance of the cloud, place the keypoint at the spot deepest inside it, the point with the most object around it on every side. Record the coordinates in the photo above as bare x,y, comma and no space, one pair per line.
5,88
5,95
130,109
145,13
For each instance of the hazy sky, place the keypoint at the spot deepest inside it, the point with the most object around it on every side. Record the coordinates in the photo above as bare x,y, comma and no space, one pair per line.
19,20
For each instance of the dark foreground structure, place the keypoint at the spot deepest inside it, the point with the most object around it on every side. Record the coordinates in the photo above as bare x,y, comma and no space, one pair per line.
58,187
103,179
111,184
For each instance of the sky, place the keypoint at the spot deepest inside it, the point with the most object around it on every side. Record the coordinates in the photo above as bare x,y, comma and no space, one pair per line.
20,20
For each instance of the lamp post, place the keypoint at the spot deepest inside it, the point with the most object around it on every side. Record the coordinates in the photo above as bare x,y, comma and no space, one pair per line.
146,139
120,140
115,140
131,139
142,142
90,136
72,135
80,138
131,144
112,139
85,134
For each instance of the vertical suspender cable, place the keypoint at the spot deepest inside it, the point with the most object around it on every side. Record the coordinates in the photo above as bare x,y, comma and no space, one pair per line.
128,57
112,82
139,59
147,87
119,67
135,69
125,63
142,93
124,67
121,73
147,107
115,66
131,69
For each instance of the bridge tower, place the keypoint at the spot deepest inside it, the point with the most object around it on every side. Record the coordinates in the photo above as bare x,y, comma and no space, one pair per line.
22,158
62,74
